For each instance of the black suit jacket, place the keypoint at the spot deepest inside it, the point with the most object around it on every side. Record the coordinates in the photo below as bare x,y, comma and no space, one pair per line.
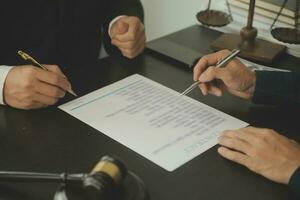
277,88
59,31
280,88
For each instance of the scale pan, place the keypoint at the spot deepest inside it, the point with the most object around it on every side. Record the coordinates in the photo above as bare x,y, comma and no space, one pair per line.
214,18
287,35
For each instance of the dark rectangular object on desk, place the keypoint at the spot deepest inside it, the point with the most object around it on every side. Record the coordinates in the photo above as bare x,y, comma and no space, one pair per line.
174,50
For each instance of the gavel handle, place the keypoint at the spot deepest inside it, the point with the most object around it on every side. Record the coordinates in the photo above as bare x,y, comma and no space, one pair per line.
39,177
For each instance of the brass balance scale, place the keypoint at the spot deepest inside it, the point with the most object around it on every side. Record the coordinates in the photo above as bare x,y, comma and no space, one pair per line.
251,47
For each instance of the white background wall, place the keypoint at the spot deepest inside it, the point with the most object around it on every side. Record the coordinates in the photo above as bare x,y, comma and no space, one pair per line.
163,17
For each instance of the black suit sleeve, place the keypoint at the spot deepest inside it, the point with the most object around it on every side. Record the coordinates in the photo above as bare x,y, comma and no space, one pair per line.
280,88
294,184
277,88
115,9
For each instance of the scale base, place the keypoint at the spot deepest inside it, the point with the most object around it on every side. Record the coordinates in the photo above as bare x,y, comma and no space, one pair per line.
260,51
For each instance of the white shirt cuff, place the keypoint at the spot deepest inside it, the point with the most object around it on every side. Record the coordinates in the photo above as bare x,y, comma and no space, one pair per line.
3,73
112,22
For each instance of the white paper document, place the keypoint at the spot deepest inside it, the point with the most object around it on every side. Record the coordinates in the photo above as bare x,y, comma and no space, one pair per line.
153,120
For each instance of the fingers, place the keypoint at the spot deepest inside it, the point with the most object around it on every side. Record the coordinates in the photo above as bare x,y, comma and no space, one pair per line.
25,104
208,60
255,132
204,88
234,140
122,27
30,103
130,44
213,73
42,95
129,36
206,79
49,90
134,24
243,95
45,100
214,90
136,49
133,53
52,78
234,156
243,134
257,136
211,88
244,140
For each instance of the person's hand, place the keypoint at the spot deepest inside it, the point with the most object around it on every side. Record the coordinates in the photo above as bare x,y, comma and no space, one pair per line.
235,77
29,87
263,151
128,34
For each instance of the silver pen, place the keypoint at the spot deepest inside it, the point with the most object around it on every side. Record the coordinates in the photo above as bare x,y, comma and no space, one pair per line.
220,64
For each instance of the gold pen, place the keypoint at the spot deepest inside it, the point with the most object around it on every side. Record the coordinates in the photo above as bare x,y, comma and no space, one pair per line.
27,57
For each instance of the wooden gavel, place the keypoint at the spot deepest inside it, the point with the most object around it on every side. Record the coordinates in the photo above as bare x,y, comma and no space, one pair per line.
100,182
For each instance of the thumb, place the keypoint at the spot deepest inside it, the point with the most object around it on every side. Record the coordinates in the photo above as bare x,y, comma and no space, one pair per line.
122,27
210,74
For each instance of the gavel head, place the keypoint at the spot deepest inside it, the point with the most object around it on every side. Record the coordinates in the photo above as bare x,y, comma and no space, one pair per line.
104,179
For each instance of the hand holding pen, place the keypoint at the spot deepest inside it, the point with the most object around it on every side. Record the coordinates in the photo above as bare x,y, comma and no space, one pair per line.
30,87
27,57
221,63
234,76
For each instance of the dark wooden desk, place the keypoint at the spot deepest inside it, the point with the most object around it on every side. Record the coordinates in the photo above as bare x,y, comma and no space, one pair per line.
50,140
